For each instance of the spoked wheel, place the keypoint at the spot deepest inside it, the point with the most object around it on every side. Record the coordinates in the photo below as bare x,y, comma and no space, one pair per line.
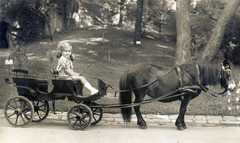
41,110
80,116
18,111
97,113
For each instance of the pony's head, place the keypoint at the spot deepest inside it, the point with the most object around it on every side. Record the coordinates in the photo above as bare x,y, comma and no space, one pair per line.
226,77
211,74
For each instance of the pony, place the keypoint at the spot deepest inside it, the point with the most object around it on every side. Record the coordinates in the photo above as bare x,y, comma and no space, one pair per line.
152,80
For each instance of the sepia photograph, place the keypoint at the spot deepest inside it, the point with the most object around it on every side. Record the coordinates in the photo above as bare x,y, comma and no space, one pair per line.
119,71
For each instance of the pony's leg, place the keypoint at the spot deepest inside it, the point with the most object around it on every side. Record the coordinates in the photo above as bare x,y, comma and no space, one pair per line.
180,123
139,97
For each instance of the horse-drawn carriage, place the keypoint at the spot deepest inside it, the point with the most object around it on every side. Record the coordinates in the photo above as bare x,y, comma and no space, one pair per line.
33,102
182,83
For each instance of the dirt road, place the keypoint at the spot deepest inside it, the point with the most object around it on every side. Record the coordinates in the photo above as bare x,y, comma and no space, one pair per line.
55,131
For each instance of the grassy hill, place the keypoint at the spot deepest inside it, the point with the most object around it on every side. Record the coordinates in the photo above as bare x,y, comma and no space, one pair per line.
111,56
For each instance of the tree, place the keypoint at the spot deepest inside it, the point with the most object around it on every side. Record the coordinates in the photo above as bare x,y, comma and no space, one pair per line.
158,10
121,5
138,23
32,16
27,18
183,25
215,41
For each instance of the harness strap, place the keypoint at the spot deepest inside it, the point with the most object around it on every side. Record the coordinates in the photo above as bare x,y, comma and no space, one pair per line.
132,89
179,73
198,74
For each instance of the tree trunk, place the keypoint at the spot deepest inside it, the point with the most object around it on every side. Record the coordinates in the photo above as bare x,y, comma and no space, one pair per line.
121,5
47,20
139,13
215,41
183,24
162,17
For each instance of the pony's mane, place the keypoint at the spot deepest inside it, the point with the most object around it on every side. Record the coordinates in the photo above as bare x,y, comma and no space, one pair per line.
209,73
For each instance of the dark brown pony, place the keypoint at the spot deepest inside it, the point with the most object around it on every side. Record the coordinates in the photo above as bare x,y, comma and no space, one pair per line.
148,79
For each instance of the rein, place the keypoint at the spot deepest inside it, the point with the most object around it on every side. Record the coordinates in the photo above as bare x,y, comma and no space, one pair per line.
166,96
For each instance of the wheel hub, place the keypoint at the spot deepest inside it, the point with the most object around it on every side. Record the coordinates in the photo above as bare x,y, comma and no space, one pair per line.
18,111
79,117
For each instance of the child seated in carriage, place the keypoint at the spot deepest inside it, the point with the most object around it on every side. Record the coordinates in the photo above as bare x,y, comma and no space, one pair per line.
65,67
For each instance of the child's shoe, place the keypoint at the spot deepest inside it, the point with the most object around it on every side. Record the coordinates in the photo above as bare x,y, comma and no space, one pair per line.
94,91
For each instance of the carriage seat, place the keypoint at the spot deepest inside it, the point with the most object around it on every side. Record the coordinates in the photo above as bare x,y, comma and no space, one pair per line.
26,83
65,85
61,82
25,74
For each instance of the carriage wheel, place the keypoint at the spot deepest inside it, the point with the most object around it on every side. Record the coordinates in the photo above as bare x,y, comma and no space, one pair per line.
97,114
41,110
80,116
18,111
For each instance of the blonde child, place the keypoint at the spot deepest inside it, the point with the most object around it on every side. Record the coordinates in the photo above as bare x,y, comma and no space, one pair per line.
65,67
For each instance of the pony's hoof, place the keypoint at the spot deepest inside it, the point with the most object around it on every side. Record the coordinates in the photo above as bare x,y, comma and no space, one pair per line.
143,127
180,128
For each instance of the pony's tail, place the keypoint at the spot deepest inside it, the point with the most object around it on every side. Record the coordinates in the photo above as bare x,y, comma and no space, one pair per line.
125,97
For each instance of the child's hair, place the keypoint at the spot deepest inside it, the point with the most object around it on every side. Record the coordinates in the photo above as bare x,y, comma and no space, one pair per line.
61,47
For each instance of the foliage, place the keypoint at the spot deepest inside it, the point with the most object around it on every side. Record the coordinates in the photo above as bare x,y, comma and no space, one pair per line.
31,22
203,22
105,10
108,10
209,7
201,32
231,41
130,11
19,56
33,15
26,19
156,12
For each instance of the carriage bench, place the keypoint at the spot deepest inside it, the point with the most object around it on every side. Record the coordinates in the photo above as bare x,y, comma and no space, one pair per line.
69,87
29,85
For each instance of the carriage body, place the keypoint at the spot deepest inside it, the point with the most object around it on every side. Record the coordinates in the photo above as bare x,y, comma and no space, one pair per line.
34,96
